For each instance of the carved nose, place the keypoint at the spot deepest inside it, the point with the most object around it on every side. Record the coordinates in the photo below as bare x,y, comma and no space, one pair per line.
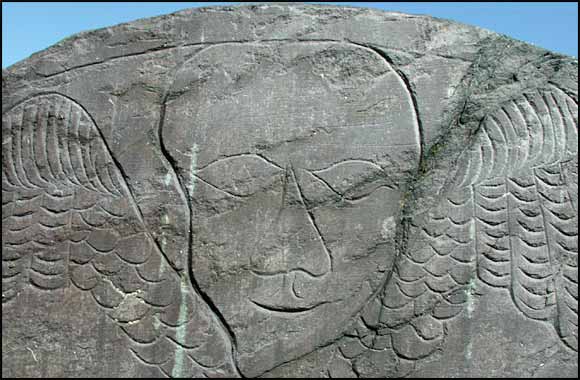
294,242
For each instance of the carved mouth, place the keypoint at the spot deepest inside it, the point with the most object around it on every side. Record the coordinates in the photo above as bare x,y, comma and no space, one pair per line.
287,309
285,300
262,273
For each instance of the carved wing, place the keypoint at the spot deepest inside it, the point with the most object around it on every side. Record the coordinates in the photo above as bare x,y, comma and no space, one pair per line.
69,219
510,220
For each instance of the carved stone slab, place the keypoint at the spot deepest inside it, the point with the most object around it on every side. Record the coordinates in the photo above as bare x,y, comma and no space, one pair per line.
290,191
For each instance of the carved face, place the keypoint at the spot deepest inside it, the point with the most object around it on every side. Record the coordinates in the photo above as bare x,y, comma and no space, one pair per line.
294,158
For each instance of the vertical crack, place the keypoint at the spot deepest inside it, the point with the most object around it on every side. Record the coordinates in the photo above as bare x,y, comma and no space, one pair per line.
192,280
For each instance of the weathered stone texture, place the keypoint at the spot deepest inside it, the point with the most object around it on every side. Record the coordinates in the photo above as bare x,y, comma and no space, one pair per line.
290,191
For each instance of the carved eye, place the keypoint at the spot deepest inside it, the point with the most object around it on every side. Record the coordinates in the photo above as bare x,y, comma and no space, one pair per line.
354,179
240,175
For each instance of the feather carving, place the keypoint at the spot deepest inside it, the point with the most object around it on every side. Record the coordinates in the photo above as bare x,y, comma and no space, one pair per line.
70,220
510,220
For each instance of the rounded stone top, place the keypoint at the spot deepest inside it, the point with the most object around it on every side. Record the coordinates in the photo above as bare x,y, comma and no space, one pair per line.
411,34
290,190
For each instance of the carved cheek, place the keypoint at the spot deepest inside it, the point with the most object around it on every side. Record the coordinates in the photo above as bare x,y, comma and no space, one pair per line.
355,232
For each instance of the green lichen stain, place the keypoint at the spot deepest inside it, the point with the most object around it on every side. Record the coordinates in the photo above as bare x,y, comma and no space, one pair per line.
160,270
178,369
193,169
472,284
181,331
469,292
469,351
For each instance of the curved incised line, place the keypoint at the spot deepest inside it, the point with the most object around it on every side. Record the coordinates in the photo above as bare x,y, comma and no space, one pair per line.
192,281
16,130
42,161
289,310
29,129
332,166
8,165
253,155
311,275
172,163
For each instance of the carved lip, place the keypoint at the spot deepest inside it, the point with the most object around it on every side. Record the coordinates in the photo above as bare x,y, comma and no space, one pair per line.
287,309
260,273
284,300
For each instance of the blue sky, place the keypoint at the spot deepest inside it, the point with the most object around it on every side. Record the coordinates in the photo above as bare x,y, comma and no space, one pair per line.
31,27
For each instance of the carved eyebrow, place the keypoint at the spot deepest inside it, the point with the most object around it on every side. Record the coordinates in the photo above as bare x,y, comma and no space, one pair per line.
226,158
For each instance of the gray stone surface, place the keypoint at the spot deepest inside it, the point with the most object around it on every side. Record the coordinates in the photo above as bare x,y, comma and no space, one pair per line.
290,191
